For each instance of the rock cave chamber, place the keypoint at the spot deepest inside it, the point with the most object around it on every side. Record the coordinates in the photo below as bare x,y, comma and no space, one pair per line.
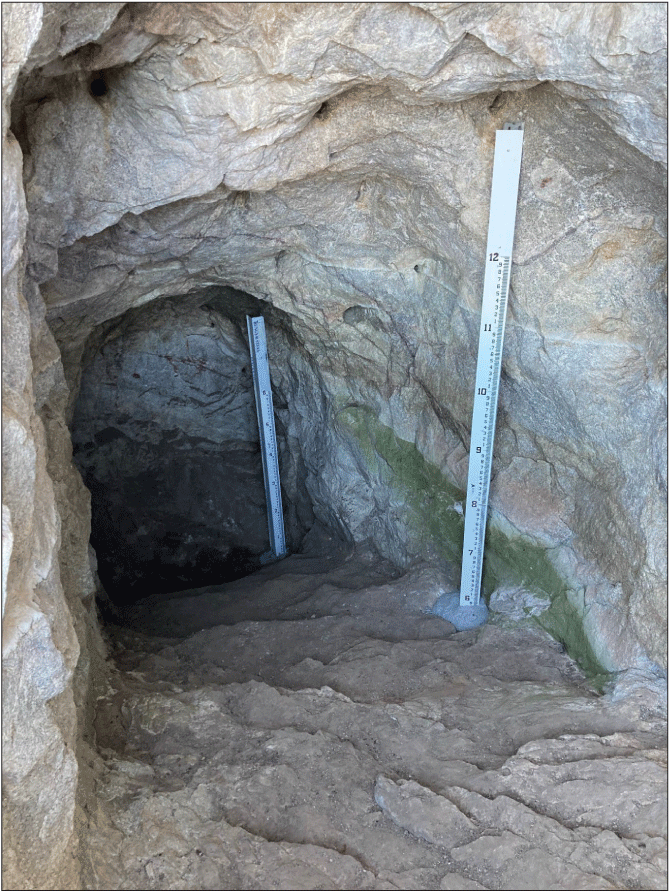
168,170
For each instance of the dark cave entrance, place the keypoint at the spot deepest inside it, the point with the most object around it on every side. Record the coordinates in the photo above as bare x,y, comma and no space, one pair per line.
165,437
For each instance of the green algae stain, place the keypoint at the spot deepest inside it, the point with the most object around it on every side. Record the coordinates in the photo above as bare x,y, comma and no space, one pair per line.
429,496
514,561
438,527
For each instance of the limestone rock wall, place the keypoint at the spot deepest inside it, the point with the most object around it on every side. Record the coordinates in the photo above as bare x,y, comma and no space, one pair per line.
334,161
49,629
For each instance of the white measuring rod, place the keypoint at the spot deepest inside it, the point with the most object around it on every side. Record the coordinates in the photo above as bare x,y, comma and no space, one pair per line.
270,455
503,202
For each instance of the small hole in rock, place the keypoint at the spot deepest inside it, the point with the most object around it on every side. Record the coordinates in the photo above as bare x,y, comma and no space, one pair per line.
98,87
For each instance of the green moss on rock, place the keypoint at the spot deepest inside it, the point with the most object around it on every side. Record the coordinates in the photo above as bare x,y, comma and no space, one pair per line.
423,489
438,527
516,561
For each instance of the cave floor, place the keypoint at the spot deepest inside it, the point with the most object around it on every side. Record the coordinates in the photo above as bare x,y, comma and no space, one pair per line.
324,731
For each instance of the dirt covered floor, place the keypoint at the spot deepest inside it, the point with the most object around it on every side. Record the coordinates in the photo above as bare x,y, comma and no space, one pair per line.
313,726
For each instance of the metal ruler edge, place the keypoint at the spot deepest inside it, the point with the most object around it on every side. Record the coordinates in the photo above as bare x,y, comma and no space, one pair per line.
268,446
501,226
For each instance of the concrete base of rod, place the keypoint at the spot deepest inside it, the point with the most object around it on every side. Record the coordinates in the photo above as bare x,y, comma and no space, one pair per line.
463,617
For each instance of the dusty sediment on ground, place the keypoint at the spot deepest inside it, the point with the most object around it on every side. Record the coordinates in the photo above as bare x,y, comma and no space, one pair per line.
336,734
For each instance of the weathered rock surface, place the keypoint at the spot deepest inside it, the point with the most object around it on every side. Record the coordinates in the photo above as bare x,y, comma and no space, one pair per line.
40,649
333,162
230,86
165,436
340,737
357,206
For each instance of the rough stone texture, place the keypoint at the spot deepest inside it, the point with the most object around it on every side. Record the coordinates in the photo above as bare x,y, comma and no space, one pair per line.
165,435
337,737
333,161
227,87
365,226
48,608
39,648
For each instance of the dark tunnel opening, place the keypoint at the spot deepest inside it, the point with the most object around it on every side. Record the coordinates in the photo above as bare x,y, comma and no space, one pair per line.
165,437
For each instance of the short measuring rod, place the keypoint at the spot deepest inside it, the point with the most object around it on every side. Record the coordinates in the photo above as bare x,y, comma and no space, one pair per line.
270,455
